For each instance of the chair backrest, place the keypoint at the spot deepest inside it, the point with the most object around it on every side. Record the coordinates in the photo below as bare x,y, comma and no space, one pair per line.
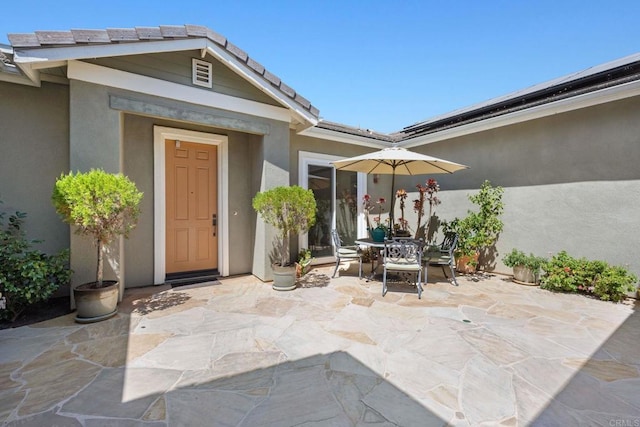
449,243
336,239
403,250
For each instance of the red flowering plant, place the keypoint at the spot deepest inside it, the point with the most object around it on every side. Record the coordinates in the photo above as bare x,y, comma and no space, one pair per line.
426,194
366,207
402,223
378,220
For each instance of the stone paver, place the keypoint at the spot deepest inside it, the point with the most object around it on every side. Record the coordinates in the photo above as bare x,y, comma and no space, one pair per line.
237,353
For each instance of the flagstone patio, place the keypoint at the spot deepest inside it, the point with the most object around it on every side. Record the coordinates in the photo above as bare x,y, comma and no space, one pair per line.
238,353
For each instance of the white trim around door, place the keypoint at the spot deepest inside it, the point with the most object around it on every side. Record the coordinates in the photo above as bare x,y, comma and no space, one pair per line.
160,134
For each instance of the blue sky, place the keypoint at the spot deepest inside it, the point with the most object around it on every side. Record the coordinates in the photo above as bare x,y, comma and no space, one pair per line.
381,65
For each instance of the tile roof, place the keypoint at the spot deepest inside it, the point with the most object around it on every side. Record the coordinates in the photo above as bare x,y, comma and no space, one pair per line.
351,130
613,73
45,39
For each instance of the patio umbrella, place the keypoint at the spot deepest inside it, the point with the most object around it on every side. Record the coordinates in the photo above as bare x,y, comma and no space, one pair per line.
397,161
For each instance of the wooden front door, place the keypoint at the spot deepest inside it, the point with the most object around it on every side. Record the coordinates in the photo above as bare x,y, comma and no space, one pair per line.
191,212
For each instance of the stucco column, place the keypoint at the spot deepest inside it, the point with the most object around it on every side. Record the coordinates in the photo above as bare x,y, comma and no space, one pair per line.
273,162
94,142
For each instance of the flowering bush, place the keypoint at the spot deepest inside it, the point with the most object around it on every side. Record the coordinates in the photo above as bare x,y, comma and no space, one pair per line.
565,273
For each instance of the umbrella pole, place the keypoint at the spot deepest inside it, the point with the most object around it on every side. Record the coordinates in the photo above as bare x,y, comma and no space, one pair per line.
393,199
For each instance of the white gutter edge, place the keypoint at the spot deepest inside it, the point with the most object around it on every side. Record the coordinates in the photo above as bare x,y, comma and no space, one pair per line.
626,90
346,138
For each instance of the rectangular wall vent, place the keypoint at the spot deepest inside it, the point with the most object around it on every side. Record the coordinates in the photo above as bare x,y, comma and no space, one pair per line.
201,73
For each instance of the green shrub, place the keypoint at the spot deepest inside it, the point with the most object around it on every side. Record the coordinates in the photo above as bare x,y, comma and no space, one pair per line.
517,257
614,283
27,275
565,273
100,204
479,230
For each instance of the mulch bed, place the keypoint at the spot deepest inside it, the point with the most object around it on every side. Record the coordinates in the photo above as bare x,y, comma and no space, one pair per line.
54,307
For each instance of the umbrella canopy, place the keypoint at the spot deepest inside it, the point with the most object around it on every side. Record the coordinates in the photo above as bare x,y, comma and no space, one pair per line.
397,161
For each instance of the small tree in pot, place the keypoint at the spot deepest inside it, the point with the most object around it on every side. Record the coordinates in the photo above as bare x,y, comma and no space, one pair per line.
103,206
292,210
478,230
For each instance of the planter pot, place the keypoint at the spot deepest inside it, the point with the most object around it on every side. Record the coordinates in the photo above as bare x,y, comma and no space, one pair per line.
403,233
467,264
524,275
284,278
378,234
95,304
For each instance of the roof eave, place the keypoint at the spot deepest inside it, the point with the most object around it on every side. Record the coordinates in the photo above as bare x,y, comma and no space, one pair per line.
333,135
257,79
589,99
32,59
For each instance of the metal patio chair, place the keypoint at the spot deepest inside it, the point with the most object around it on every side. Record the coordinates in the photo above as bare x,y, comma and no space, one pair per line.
442,255
402,255
345,253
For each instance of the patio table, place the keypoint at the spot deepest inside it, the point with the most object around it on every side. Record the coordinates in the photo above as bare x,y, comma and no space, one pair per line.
377,246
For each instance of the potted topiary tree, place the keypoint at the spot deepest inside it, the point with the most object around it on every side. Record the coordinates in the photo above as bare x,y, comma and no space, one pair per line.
292,210
103,206
478,230
526,268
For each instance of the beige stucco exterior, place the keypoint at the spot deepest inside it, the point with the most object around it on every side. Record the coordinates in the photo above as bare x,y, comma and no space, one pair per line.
34,151
571,179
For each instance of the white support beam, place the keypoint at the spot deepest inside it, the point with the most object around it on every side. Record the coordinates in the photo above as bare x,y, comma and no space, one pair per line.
136,83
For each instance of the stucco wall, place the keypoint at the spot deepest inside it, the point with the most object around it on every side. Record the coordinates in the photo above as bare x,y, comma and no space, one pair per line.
571,182
115,127
34,151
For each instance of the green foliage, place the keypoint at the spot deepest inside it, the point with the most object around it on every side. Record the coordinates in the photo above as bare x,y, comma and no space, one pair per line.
304,260
100,204
27,275
565,273
531,261
479,229
291,209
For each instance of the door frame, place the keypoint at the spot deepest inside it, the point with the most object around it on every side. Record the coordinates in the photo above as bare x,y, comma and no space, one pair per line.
160,134
306,158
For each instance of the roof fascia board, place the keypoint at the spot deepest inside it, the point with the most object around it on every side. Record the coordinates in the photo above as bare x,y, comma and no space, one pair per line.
37,55
33,59
332,135
135,83
261,83
615,93
18,79
45,65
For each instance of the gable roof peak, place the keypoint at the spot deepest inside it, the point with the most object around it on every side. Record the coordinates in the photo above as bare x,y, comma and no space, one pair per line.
114,36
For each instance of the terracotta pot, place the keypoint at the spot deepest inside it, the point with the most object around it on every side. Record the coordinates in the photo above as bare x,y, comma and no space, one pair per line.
94,304
463,264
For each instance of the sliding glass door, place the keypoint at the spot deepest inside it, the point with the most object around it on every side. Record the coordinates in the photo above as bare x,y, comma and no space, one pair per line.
337,194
